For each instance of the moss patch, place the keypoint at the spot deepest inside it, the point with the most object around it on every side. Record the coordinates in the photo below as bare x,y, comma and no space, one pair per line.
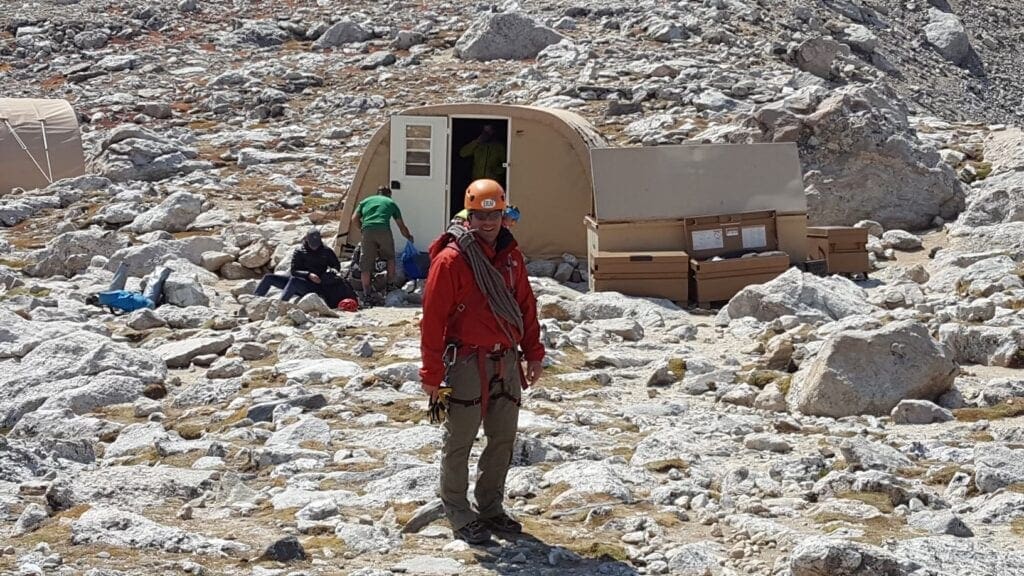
549,381
406,410
982,169
875,531
600,550
1009,409
314,445
784,384
317,544
25,291
53,531
321,202
677,366
876,499
624,451
762,378
942,476
190,430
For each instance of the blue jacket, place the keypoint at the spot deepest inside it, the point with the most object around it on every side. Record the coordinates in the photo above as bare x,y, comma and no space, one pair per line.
125,300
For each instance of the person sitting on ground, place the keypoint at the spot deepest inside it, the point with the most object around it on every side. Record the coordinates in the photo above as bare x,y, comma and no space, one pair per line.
117,298
311,263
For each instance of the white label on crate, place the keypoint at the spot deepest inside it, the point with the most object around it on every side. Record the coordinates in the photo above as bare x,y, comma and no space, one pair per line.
707,239
754,237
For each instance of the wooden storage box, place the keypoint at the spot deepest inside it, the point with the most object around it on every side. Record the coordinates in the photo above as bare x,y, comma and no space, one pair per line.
848,263
659,274
658,262
844,248
639,236
717,280
731,235
675,288
840,238
791,228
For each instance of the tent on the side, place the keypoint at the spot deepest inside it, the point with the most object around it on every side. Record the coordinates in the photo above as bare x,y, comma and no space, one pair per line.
39,143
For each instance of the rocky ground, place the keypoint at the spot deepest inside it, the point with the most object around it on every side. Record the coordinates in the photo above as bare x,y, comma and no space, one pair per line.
812,426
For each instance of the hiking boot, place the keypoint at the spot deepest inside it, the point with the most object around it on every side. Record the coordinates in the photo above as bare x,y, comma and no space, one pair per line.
474,533
503,523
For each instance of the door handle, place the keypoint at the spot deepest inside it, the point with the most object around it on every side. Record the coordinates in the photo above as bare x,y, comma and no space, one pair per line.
396,185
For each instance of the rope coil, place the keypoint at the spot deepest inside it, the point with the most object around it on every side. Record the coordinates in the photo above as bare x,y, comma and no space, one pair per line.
499,298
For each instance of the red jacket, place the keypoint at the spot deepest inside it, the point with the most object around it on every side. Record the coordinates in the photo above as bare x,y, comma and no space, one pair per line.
450,284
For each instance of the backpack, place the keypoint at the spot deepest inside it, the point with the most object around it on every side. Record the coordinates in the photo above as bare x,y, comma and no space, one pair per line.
334,289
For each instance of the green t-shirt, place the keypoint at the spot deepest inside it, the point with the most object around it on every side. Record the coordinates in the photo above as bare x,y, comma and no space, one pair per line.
377,211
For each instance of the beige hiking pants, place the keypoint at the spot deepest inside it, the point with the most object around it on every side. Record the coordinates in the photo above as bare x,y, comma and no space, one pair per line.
460,429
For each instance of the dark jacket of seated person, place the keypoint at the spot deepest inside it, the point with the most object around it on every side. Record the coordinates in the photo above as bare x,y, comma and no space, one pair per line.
309,271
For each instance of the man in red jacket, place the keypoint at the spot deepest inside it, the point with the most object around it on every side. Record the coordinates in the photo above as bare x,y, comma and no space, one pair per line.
479,323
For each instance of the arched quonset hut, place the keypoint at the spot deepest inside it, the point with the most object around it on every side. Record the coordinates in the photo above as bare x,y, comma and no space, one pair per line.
39,143
548,171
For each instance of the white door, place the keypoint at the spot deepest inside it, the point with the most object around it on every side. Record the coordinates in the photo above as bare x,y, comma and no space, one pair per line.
419,176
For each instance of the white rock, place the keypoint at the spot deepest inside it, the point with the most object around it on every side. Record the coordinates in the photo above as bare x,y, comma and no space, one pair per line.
946,32
31,518
838,557
117,528
768,442
319,370
504,36
901,240
174,214
997,467
871,371
919,412
809,297
180,354
986,345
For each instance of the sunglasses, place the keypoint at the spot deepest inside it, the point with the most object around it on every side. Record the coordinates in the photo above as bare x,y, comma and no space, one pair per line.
487,216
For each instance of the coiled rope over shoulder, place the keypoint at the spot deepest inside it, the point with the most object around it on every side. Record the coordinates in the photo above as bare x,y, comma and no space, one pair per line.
499,298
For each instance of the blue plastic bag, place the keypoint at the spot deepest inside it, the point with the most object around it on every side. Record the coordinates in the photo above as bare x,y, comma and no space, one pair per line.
416,264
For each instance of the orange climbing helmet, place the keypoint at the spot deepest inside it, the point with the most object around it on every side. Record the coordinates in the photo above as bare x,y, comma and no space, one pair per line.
485,195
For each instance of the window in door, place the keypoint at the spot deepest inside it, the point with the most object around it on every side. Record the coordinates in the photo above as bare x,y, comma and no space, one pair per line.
417,150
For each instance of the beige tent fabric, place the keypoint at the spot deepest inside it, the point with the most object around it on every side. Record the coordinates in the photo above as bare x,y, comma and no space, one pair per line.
549,177
35,168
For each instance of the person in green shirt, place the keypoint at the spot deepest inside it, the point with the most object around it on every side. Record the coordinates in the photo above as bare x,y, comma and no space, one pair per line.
373,218
488,155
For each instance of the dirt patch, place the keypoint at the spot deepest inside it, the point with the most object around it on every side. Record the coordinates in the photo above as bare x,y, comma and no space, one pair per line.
664,466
